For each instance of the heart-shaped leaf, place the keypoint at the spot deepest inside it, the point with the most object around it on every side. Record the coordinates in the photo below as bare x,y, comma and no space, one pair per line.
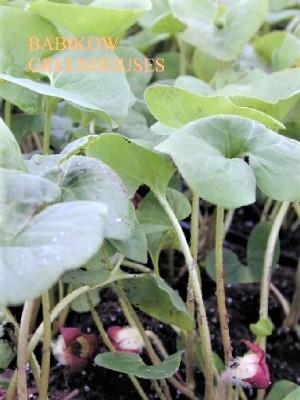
294,395
61,237
234,270
221,30
174,106
134,164
147,291
209,154
100,17
129,363
6,354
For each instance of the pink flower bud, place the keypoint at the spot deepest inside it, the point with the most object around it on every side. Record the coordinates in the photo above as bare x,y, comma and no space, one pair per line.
74,348
126,339
251,370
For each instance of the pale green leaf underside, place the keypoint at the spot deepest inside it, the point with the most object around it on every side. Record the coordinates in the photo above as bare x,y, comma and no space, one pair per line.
101,18
209,154
281,389
174,107
129,363
50,244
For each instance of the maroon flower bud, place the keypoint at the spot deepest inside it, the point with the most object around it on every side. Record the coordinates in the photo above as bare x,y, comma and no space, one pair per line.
74,348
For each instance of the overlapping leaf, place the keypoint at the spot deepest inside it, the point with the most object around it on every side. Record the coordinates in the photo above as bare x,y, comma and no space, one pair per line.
210,152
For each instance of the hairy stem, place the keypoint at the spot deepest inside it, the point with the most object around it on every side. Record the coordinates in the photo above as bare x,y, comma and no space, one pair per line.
45,367
195,280
47,127
22,356
7,113
266,279
110,346
221,297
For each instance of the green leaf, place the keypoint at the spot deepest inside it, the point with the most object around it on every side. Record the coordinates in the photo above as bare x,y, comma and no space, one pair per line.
234,270
135,63
175,107
156,224
281,389
49,244
129,363
262,328
21,196
95,279
135,247
80,304
85,178
281,49
275,94
220,30
134,164
205,66
16,27
160,19
147,291
294,395
105,91
10,153
6,354
100,17
194,85
209,154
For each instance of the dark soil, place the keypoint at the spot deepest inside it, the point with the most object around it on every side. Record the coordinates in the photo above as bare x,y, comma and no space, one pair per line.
283,349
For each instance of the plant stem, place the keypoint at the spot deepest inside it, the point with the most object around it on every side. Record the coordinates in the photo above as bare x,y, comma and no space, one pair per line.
221,296
7,113
268,261
136,266
267,271
189,355
45,367
54,314
22,356
281,299
110,346
11,390
47,127
203,327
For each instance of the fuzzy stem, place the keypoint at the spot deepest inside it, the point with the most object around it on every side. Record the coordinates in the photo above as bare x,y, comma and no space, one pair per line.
182,54
136,266
203,328
47,128
281,299
110,346
189,355
11,390
45,366
221,296
7,113
268,262
267,271
22,357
